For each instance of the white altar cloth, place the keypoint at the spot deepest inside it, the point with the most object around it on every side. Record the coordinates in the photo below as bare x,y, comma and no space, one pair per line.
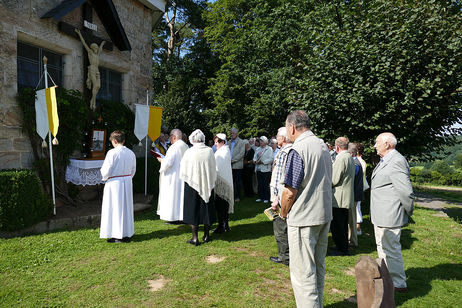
84,172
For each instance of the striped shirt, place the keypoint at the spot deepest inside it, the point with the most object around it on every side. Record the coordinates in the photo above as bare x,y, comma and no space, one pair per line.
278,167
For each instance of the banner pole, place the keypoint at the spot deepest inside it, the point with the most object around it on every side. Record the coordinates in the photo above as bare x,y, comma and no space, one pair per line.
146,154
45,61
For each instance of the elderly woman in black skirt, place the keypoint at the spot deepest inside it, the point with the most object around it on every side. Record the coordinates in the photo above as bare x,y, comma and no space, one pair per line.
198,171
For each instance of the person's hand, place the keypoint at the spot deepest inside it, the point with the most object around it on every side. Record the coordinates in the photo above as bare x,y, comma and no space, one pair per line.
274,204
159,159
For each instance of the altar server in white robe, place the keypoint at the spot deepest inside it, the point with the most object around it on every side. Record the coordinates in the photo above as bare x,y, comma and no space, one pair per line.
117,224
171,187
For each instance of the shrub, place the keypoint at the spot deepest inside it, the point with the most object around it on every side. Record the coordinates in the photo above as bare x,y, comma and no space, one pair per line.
415,174
457,178
435,176
458,161
22,202
441,167
425,175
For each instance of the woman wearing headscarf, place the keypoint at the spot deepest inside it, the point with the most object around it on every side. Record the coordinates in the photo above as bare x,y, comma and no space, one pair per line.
224,193
198,171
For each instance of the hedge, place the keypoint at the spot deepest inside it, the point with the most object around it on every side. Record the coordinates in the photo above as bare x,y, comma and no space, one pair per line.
453,178
22,202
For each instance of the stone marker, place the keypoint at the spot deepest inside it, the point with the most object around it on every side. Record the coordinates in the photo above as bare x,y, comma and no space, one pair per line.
374,286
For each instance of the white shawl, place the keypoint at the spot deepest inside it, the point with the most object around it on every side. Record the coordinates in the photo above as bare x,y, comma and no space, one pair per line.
198,169
224,183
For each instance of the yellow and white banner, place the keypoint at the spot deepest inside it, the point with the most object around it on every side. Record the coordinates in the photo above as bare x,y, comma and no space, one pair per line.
46,111
148,120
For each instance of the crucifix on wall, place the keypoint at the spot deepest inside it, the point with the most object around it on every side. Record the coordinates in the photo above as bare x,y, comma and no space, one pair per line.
92,46
93,81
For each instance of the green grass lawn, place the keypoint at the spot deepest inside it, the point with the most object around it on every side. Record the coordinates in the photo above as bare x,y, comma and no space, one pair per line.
76,268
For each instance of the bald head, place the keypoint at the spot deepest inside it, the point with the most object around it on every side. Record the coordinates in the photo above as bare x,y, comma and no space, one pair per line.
385,143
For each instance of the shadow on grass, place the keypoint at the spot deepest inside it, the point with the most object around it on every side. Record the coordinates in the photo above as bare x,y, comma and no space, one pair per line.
246,232
163,233
455,213
341,304
420,279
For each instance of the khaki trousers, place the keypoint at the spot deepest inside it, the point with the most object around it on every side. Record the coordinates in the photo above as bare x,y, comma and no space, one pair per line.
352,232
308,247
389,249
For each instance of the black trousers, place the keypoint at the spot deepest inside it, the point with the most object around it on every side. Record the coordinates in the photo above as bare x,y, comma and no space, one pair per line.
247,180
263,179
280,234
339,228
222,208
237,183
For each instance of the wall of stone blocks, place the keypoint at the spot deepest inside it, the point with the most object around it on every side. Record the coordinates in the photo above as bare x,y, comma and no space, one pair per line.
20,20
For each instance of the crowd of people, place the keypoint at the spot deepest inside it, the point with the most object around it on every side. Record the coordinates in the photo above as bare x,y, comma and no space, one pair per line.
315,187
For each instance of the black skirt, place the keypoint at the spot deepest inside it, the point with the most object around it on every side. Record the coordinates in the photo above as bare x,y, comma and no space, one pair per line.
195,210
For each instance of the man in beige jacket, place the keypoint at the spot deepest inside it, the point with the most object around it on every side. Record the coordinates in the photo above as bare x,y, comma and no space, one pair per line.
343,175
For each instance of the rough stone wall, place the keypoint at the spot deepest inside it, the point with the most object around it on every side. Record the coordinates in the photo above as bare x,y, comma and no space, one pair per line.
20,20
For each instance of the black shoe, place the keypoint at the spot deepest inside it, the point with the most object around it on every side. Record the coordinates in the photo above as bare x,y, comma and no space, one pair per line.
219,230
127,239
275,259
114,240
226,227
193,242
401,290
206,239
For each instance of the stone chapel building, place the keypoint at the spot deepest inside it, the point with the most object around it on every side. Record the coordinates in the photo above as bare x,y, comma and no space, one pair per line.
31,29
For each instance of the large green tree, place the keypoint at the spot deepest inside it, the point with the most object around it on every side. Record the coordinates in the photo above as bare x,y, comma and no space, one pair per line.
183,66
357,67
256,41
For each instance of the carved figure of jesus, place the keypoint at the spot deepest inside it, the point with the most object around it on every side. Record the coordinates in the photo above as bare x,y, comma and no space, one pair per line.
93,77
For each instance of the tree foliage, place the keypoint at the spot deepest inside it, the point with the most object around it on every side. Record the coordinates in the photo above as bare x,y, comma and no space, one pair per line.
357,67
458,161
181,81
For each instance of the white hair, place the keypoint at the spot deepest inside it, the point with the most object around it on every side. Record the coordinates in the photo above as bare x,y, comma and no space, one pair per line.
246,141
390,138
234,130
197,136
282,131
177,133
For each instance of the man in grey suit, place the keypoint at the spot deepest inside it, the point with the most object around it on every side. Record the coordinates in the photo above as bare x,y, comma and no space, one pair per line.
343,175
237,148
306,201
392,202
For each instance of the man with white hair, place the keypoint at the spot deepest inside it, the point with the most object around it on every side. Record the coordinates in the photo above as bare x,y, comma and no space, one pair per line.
171,187
392,202
275,147
276,188
237,148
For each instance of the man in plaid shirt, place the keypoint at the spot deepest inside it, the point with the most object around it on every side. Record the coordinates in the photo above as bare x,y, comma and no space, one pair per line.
276,187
